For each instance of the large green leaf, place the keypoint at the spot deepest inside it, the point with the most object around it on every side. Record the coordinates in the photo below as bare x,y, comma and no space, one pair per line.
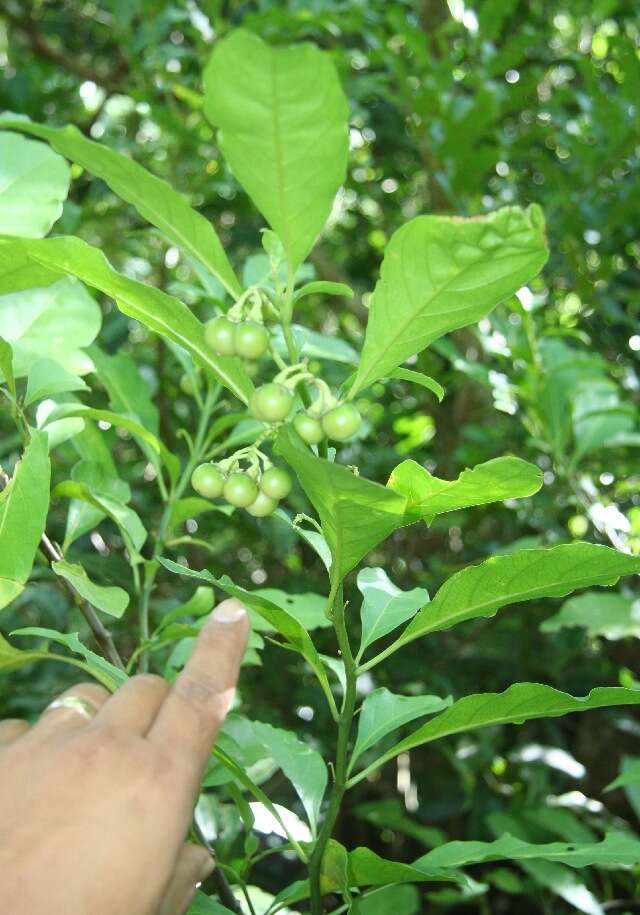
24,503
356,514
384,606
519,703
481,590
283,622
55,322
153,198
383,712
401,900
161,313
109,599
283,130
615,849
302,765
440,273
494,481
34,183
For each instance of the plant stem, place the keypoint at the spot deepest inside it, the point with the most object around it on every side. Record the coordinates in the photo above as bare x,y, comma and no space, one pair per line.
342,754
219,880
100,632
199,446
286,313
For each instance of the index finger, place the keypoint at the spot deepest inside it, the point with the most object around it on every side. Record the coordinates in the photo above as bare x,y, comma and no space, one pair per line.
193,711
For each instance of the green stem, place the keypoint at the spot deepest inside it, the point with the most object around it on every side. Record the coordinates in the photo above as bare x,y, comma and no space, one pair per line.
342,754
286,314
199,446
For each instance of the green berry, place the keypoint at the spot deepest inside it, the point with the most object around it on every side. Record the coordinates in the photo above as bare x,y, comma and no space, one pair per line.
308,428
271,403
262,506
251,340
240,490
207,481
219,334
275,483
188,385
341,422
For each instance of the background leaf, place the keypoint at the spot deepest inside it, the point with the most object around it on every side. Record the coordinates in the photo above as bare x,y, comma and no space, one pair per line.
111,600
34,184
154,198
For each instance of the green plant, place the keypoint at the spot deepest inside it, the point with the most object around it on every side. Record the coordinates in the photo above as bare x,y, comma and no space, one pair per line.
438,275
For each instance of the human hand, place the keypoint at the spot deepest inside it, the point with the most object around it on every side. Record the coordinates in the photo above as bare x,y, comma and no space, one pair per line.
94,812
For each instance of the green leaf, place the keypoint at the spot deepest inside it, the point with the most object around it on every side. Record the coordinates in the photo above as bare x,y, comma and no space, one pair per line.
56,322
563,883
608,616
127,521
309,609
401,900
129,392
615,849
109,675
154,199
35,183
482,590
314,345
99,473
418,378
111,600
206,905
519,703
283,121
46,377
385,606
24,503
366,868
156,448
356,514
629,777
383,712
302,765
161,313
323,287
494,481
12,658
334,869
297,637
6,368
440,273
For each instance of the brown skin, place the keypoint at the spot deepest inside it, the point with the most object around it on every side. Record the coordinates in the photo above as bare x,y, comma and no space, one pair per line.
94,814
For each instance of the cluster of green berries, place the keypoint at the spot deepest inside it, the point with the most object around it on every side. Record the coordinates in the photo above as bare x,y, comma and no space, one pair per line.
246,339
260,497
272,403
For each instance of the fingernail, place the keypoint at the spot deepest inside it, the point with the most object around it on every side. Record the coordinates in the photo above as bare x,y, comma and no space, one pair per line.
229,611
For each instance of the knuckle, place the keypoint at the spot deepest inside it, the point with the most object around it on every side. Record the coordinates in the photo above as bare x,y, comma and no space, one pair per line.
200,691
152,682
